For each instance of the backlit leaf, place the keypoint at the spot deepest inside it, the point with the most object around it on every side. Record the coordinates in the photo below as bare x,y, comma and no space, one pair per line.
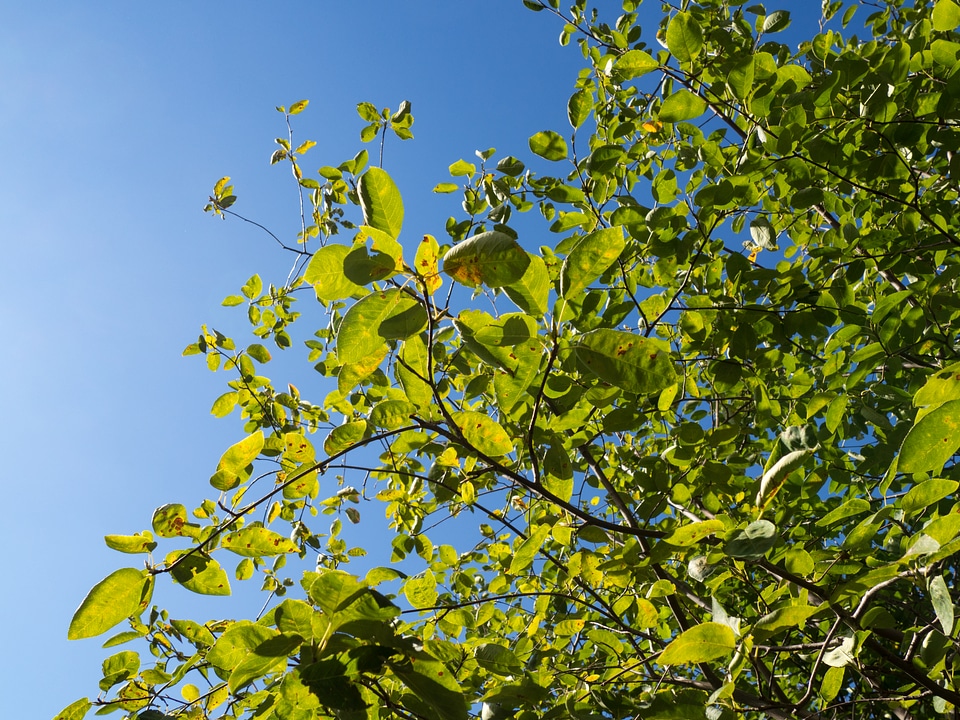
633,64
492,258
589,259
376,318
380,201
926,493
327,275
258,542
483,432
110,601
932,441
525,553
421,590
549,145
692,533
682,105
684,37
942,603
199,573
139,543
701,643
532,291
635,363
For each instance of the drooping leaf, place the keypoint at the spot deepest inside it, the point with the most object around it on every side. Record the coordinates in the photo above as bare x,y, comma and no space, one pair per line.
343,436
589,259
942,603
75,710
139,543
258,542
380,201
110,601
525,553
684,37
241,454
632,362
491,258
701,643
753,541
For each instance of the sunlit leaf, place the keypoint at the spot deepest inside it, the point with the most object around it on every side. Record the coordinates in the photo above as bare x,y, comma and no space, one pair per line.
549,145
684,37
492,258
682,105
199,573
483,433
589,259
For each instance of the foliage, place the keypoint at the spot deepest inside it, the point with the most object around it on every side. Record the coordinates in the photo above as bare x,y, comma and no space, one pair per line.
693,457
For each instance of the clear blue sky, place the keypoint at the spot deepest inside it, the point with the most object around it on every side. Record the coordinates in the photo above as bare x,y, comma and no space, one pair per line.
115,121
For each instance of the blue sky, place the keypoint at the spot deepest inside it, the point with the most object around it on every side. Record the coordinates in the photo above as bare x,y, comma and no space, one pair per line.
115,121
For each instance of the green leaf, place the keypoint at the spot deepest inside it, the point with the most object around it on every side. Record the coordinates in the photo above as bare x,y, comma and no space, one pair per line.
435,686
776,21
462,168
632,362
199,573
497,659
694,532
75,710
491,258
926,493
684,38
483,433
241,454
110,601
942,603
946,16
557,475
579,107
237,642
343,436
376,318
326,272
258,542
421,590
633,64
549,145
268,657
380,202
701,643
782,619
682,105
531,293
589,259
139,543
525,553
932,440
225,404
393,414
754,541
740,77
773,479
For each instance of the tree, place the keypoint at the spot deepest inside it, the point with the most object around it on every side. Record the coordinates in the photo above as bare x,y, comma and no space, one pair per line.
696,456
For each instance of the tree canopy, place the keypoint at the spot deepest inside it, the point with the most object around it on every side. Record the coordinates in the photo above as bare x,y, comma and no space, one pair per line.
681,442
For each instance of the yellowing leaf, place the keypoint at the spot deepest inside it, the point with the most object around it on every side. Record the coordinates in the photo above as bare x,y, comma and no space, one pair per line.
693,533
111,600
702,643
241,454
589,259
483,433
426,264
421,590
491,258
199,573
258,542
